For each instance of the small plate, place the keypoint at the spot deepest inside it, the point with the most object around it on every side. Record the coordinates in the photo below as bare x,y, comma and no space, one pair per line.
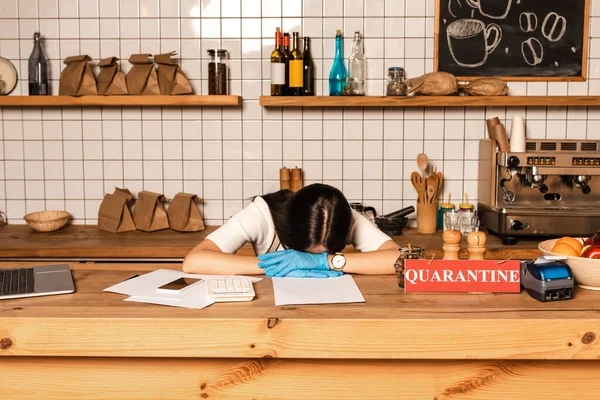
8,76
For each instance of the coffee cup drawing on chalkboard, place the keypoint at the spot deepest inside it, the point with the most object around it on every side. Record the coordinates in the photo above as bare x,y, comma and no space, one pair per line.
468,41
495,9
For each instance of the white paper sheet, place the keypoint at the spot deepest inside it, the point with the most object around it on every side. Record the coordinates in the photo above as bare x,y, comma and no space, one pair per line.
142,289
341,289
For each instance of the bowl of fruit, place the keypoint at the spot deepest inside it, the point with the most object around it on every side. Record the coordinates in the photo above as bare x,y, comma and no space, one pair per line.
583,256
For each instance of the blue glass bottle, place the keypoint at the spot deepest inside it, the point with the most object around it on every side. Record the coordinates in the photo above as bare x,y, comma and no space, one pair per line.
338,73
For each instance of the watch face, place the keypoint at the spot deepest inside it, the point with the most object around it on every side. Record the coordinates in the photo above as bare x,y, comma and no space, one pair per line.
338,261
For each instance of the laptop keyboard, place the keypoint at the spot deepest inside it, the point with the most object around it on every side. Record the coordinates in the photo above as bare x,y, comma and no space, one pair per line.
16,281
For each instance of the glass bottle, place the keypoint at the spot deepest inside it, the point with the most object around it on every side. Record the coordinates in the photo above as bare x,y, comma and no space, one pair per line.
357,66
308,70
217,71
277,67
396,83
406,253
286,54
296,78
338,73
38,69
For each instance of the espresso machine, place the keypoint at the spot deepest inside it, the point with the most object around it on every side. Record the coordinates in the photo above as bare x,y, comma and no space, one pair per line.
552,189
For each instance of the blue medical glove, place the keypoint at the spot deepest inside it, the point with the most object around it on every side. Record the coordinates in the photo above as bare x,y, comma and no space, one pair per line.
312,273
280,263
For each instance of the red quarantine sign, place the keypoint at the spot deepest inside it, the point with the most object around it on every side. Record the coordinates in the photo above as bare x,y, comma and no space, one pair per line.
487,276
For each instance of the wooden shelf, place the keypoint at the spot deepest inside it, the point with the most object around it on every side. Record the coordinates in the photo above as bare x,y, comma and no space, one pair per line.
428,101
121,101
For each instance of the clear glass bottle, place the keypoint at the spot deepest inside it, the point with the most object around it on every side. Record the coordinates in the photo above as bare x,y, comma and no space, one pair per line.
357,66
217,71
396,82
406,253
38,69
338,73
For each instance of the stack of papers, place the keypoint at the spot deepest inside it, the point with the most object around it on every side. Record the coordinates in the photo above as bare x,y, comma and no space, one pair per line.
143,289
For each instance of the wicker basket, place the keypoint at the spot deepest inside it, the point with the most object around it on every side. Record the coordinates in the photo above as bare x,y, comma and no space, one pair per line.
47,221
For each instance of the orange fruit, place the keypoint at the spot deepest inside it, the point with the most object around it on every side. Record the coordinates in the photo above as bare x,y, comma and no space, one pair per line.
565,250
574,243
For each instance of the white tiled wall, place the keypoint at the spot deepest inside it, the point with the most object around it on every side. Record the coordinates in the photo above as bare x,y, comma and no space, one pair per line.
55,158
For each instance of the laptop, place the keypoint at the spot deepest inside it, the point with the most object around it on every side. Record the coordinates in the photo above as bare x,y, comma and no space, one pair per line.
16,283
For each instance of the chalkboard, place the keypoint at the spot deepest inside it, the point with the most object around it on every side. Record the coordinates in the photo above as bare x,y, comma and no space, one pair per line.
514,39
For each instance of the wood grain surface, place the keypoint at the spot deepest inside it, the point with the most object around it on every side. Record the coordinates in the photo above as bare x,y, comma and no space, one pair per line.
428,101
89,242
390,325
121,101
36,378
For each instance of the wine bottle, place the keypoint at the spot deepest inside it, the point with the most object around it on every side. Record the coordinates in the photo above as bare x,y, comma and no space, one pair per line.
308,70
338,73
38,69
296,81
286,54
356,66
277,67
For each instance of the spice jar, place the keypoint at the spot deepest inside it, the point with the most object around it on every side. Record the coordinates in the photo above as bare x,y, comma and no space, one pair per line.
444,208
406,253
396,82
217,71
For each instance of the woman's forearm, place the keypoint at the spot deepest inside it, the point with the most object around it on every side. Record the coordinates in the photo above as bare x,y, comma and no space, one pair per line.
207,258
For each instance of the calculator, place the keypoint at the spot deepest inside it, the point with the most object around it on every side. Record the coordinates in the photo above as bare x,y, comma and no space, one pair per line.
230,289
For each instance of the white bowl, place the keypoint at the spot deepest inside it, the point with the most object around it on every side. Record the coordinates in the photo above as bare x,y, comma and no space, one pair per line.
586,271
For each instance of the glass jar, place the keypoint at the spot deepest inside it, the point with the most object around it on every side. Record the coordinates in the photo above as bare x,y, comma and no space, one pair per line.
396,82
217,71
406,253
2,219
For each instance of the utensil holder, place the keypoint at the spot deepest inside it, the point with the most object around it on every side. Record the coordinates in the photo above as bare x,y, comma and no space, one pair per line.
426,218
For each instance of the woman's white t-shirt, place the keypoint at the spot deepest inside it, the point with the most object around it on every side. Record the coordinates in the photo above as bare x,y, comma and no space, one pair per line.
254,224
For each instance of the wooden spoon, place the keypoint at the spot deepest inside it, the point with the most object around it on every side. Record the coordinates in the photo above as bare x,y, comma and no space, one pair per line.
440,178
419,185
432,187
422,163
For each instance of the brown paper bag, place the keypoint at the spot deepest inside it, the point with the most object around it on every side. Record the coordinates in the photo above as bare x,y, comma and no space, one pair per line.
433,84
142,79
149,213
77,79
111,81
184,214
171,78
114,214
485,87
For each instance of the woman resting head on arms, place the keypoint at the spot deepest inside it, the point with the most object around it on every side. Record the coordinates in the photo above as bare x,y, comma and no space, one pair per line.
300,234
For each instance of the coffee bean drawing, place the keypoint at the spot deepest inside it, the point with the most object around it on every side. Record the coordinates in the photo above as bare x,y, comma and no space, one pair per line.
528,21
533,51
551,24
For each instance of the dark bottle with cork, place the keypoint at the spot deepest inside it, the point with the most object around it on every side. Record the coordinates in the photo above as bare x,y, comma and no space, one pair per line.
38,69
308,88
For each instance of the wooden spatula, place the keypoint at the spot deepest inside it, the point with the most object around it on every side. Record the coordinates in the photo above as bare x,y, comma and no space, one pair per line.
419,186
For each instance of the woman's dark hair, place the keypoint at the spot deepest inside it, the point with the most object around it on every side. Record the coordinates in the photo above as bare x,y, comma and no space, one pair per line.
315,215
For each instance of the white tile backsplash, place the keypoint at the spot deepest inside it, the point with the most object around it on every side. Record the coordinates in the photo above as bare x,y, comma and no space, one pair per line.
69,157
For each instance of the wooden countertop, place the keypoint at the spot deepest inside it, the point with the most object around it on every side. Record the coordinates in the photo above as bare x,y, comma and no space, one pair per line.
390,325
89,242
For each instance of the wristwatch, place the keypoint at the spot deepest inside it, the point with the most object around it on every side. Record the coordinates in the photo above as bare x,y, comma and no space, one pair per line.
338,261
